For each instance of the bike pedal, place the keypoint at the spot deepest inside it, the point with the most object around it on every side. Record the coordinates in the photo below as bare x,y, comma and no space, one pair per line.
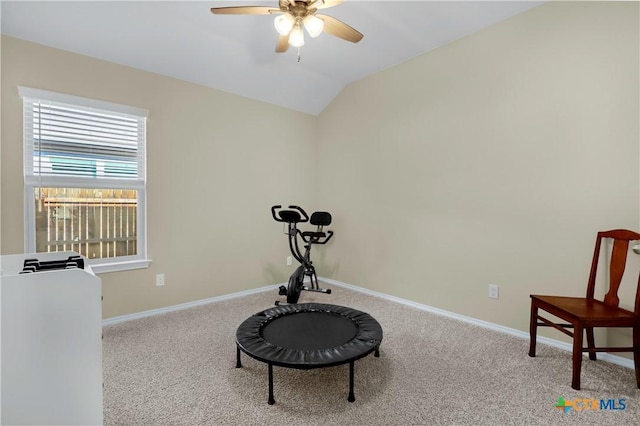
282,291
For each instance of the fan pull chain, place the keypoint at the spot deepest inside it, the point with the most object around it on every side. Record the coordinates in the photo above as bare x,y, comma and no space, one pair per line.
298,53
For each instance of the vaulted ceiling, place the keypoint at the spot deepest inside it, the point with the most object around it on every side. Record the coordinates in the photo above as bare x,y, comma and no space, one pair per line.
236,53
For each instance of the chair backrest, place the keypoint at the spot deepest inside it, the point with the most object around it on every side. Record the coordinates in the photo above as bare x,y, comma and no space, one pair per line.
621,239
321,219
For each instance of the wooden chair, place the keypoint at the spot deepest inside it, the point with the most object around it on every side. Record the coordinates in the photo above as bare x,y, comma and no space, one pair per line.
587,313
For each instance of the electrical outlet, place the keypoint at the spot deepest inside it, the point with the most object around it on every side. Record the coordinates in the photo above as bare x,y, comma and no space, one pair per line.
159,280
493,291
289,260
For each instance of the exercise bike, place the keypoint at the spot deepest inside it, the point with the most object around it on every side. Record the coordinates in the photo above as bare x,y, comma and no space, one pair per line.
292,216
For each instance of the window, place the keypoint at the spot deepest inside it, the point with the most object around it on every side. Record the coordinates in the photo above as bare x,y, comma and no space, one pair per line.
84,178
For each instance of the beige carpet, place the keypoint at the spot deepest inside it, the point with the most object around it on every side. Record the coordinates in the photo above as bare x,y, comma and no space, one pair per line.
179,369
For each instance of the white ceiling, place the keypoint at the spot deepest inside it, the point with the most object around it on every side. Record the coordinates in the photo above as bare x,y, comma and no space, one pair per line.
236,54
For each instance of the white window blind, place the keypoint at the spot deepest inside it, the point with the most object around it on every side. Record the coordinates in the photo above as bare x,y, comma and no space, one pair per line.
76,142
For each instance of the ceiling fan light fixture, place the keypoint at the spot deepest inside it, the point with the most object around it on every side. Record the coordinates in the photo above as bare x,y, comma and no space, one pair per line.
284,23
291,16
314,25
296,37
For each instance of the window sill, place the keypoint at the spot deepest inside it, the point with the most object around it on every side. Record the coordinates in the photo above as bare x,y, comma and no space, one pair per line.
102,268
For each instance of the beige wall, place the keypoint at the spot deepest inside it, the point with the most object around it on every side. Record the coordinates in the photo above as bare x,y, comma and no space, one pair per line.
492,160
216,164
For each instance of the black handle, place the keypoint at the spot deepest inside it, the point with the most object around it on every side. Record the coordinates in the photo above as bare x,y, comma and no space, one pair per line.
301,210
314,238
328,238
273,213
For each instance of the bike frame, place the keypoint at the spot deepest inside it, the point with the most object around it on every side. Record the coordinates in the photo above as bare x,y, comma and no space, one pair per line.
296,281
304,259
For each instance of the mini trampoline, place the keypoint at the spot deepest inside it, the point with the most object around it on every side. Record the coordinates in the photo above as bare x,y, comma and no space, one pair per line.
309,335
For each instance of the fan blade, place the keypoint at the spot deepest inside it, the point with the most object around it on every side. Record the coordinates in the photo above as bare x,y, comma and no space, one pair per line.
323,4
244,10
283,43
339,29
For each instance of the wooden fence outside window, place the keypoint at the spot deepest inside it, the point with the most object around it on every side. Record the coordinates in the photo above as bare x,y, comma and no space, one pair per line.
97,223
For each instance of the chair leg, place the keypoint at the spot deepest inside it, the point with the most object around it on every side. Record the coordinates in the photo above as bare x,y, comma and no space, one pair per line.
591,343
636,352
533,328
577,356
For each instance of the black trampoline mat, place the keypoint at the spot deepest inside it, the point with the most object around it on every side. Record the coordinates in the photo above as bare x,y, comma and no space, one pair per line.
310,330
309,335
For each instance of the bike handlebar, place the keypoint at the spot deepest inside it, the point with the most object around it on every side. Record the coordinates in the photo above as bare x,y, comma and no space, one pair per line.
315,239
328,237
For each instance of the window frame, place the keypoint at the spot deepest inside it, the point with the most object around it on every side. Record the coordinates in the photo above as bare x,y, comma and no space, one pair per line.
33,181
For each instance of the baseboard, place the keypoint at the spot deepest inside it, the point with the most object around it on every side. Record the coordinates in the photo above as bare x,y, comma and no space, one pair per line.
614,359
159,311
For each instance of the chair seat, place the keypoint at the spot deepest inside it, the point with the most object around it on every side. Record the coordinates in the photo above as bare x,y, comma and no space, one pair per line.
589,311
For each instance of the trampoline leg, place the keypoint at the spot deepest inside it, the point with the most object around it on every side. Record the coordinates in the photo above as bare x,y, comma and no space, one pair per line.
238,363
271,400
351,397
377,352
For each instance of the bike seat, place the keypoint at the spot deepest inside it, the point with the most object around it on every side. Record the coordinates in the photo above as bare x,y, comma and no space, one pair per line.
290,216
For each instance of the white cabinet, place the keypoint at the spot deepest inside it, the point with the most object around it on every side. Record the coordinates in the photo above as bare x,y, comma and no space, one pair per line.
51,324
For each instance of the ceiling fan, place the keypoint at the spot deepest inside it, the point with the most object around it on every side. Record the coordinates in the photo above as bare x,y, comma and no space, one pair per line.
293,15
